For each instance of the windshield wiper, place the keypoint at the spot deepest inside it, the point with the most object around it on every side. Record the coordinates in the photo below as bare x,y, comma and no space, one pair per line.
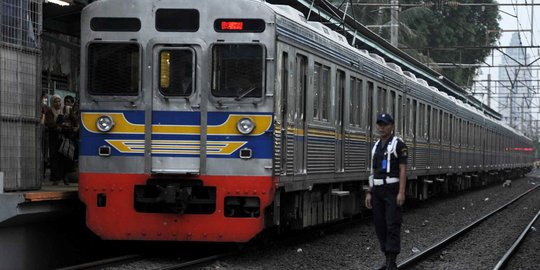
240,97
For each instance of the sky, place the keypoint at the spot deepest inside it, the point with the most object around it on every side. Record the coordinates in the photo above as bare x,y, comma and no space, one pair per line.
513,18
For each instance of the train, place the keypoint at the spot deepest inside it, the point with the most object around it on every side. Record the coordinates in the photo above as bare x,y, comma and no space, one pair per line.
214,121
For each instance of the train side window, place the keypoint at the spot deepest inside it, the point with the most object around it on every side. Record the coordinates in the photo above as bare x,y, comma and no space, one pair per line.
285,85
113,69
301,85
340,92
360,101
325,94
434,132
464,133
316,89
427,123
356,101
176,72
392,106
421,119
458,132
448,127
413,118
463,138
409,116
353,102
399,118
237,70
368,106
444,126
439,125
321,87
381,100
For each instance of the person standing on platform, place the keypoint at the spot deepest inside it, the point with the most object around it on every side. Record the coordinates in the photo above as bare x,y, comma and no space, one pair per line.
386,192
44,139
60,123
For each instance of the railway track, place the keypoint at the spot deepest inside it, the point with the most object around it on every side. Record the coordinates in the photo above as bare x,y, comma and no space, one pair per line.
427,253
169,262
140,261
511,251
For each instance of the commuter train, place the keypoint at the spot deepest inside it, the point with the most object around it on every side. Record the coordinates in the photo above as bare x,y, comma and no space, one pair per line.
213,121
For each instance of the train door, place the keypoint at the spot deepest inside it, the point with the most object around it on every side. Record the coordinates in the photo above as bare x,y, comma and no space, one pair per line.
176,123
340,125
284,110
301,67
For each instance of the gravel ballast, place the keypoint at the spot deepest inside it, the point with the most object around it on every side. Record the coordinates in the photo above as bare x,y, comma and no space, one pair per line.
356,247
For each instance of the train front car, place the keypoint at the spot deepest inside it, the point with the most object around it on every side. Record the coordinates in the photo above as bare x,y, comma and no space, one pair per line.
176,141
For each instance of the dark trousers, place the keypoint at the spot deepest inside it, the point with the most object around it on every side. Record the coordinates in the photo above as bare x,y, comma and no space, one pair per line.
387,217
60,165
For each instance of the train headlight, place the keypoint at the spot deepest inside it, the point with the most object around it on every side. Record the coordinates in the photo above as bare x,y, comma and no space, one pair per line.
104,123
245,125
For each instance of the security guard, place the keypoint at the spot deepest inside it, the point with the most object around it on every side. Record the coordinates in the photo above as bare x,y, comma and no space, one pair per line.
386,193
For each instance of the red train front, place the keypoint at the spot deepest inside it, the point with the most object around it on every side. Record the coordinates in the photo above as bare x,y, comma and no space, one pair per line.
177,129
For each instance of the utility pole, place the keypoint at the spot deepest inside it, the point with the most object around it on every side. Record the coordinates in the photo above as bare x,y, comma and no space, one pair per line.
489,90
394,22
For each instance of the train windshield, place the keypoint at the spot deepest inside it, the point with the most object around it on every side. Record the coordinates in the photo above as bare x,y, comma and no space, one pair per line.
237,70
113,69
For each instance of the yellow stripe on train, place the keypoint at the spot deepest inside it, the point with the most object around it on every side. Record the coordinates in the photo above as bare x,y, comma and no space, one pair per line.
123,126
180,147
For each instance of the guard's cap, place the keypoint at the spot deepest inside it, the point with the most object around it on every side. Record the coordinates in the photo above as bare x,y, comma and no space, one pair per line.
385,118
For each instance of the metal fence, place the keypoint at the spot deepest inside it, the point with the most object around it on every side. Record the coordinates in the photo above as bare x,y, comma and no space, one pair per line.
20,92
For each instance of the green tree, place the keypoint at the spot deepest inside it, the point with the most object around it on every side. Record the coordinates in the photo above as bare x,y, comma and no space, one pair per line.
437,32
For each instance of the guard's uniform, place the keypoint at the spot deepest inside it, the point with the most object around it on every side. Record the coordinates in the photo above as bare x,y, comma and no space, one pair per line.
384,188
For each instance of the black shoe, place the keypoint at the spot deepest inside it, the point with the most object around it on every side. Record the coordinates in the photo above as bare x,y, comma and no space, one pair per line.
66,182
391,261
383,267
55,183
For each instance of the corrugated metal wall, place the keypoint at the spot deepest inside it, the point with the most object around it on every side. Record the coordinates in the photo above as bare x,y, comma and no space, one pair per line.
20,91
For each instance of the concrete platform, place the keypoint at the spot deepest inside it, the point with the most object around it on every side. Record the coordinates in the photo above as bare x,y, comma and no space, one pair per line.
41,225
30,206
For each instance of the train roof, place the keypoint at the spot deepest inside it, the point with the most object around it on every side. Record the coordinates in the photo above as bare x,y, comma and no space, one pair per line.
291,13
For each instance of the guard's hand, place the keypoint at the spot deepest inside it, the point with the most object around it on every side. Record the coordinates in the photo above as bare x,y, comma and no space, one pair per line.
368,201
400,198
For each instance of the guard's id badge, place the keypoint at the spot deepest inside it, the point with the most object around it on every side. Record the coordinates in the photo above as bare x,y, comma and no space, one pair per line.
384,164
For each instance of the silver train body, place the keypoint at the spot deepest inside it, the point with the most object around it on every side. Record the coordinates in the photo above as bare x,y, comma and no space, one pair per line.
253,117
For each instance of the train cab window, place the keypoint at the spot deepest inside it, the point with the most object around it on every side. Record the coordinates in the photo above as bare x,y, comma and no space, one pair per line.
237,70
113,69
176,72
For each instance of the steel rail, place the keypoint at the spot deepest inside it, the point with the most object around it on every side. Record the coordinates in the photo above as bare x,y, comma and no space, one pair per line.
195,262
506,257
409,262
104,262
